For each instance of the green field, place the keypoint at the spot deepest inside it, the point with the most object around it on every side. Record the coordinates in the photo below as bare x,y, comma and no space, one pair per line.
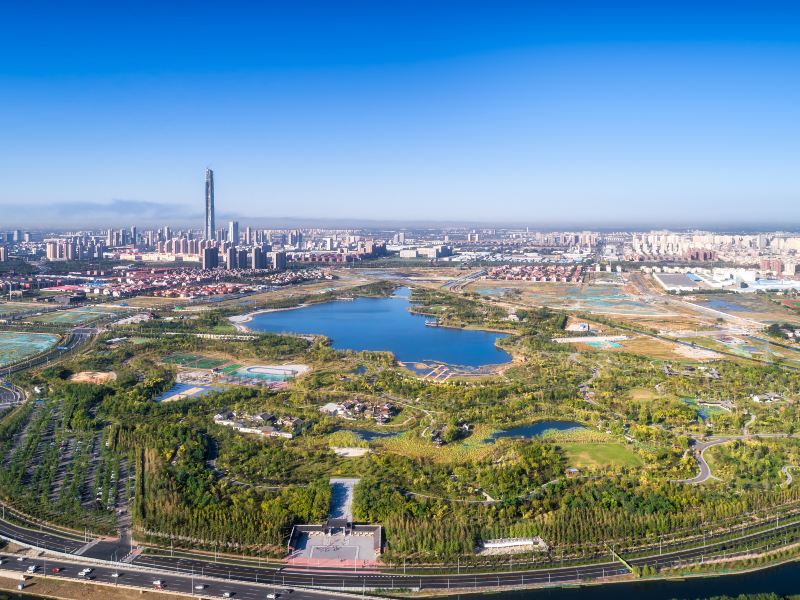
77,316
16,346
193,361
9,308
590,454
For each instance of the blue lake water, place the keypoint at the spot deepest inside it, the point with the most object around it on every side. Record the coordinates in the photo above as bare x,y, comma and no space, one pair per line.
384,324
533,429
368,435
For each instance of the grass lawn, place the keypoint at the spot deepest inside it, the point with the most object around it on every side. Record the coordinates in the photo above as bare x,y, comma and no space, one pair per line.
588,454
413,446
643,394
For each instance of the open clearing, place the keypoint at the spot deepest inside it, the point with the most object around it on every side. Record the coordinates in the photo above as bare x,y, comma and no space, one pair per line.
589,454
597,298
97,377
13,308
57,588
414,446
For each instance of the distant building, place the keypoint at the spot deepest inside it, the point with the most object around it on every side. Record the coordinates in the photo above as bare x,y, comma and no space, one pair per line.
210,258
698,254
233,232
257,259
278,260
772,265
211,231
3,254
231,258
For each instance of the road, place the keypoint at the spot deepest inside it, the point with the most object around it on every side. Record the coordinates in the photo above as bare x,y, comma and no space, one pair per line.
211,588
248,579
10,395
699,447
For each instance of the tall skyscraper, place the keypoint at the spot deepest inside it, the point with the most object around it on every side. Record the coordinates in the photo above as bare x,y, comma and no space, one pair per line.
211,228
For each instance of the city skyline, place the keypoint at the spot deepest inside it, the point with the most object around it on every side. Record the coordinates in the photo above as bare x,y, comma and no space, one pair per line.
532,114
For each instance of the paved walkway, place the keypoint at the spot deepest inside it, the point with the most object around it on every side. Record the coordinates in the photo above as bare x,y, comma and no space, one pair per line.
705,470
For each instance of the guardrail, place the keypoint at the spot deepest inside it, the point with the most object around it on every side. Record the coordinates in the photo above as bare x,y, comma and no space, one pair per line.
72,558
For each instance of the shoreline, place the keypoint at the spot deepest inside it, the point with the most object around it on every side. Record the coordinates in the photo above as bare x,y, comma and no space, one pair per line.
60,588
238,321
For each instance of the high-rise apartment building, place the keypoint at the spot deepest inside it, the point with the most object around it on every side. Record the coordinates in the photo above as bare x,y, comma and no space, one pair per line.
210,258
211,228
233,232
277,260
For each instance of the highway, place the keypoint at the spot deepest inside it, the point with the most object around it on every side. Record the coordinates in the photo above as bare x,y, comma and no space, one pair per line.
10,395
248,580
211,588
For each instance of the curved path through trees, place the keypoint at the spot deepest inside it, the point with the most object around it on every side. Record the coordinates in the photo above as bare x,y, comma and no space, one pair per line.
786,470
699,447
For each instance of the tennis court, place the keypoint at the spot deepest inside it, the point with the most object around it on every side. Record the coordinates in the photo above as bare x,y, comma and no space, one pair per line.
193,361
76,316
182,391
267,373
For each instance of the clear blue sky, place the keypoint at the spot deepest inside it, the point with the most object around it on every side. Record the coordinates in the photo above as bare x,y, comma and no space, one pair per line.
657,112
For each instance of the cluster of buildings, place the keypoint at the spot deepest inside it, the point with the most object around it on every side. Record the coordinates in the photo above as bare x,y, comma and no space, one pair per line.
263,424
230,247
172,282
560,273
776,252
734,279
428,252
381,412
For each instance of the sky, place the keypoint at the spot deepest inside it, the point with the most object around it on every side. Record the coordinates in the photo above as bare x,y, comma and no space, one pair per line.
538,113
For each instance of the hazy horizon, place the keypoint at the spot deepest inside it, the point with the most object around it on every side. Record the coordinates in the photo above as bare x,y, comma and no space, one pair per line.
123,214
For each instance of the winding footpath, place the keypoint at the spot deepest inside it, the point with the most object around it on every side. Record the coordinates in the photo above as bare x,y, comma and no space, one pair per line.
705,471
786,471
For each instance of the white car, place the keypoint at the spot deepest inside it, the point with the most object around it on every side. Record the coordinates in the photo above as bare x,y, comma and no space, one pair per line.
200,586
32,569
20,558
115,575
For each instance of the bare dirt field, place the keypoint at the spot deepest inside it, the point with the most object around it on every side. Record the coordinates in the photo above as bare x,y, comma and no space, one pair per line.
73,590
97,377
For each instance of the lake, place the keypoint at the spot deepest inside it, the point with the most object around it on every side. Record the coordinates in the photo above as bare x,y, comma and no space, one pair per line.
368,434
533,429
385,324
